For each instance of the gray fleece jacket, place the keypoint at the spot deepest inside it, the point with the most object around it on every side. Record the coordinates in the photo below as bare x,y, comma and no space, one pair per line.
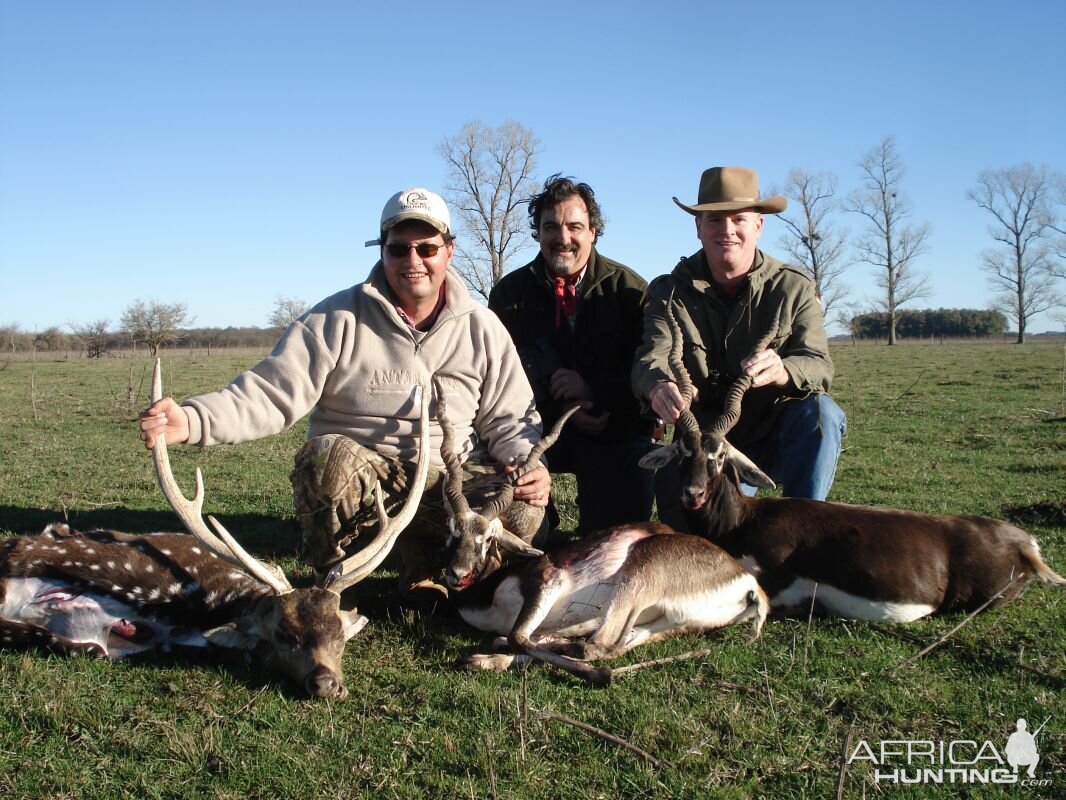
352,363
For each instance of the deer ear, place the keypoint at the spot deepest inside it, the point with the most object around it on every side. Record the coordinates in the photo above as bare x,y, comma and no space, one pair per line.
230,636
660,456
513,544
748,471
352,622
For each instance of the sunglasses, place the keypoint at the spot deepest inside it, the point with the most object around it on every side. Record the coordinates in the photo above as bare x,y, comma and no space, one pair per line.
424,250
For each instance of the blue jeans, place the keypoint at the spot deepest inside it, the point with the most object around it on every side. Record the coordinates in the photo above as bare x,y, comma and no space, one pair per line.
802,451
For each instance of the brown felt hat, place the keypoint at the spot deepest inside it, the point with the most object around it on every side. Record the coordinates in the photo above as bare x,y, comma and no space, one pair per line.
733,189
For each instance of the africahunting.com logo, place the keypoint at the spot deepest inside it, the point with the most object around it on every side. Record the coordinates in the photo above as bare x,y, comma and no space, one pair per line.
926,761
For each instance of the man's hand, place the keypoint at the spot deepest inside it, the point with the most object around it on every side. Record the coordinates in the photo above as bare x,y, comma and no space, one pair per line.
666,401
567,384
765,369
587,422
534,487
164,418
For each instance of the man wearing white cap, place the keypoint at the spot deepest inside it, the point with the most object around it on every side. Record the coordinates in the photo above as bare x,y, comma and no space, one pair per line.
726,296
350,362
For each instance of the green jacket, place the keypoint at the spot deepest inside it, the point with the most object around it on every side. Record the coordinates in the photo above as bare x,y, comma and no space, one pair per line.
719,334
606,333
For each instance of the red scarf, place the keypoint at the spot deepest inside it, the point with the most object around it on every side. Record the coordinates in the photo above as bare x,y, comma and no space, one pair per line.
565,297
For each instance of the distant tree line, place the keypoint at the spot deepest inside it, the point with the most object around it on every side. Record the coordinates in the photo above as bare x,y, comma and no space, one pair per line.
153,325
931,323
99,344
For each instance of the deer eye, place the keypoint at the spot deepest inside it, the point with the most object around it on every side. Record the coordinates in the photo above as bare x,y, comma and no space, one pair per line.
286,640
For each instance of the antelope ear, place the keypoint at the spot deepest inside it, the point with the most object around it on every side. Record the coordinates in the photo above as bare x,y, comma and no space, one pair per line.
747,469
229,636
352,622
513,544
660,455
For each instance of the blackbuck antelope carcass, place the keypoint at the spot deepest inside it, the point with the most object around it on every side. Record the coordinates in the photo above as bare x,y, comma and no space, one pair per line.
480,540
591,599
854,561
111,594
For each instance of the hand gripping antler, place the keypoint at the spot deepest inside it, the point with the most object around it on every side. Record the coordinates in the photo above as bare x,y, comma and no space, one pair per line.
453,487
354,569
505,498
725,421
190,512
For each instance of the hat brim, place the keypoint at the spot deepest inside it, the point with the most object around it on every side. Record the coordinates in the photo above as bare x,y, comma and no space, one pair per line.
766,205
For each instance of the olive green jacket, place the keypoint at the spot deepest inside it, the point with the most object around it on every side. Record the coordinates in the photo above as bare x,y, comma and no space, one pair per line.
719,334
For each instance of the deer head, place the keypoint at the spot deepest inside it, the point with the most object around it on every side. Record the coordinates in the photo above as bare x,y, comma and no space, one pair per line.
477,539
704,454
299,632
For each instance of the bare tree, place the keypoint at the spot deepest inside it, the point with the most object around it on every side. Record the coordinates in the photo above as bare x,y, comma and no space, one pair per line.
9,336
286,311
490,179
812,241
888,244
92,336
1057,265
1020,200
49,339
153,323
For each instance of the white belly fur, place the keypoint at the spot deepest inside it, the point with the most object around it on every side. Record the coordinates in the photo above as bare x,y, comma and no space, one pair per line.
842,604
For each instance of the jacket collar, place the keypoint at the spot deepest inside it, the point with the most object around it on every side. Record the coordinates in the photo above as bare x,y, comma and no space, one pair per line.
595,271
695,271
457,300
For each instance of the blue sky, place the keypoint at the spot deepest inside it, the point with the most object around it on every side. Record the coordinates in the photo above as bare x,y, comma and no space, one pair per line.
224,154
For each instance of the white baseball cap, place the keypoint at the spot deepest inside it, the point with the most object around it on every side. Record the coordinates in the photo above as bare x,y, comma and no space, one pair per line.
416,203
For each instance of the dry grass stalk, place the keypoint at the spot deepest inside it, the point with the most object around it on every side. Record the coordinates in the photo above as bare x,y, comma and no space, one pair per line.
609,737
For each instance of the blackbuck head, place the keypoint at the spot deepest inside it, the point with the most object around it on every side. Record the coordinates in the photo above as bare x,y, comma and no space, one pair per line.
704,455
298,632
478,540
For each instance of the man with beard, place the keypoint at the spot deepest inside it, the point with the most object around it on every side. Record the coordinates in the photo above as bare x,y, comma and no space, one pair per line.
576,319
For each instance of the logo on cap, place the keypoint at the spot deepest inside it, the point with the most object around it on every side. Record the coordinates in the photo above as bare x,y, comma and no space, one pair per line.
415,199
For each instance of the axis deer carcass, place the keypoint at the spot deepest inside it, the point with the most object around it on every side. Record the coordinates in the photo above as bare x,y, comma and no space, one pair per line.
591,599
111,594
854,561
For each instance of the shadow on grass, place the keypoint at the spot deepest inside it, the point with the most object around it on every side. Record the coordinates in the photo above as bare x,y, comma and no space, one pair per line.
1050,513
978,657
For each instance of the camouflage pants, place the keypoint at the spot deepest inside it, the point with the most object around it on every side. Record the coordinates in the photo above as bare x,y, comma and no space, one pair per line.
333,485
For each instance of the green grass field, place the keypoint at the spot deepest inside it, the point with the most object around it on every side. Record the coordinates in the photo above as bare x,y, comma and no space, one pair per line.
956,428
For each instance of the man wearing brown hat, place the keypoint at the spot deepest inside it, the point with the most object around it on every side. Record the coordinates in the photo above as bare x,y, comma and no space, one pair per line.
725,296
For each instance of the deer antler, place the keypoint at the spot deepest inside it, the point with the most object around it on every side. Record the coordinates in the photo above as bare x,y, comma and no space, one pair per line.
687,420
505,498
190,512
354,569
453,484
725,421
